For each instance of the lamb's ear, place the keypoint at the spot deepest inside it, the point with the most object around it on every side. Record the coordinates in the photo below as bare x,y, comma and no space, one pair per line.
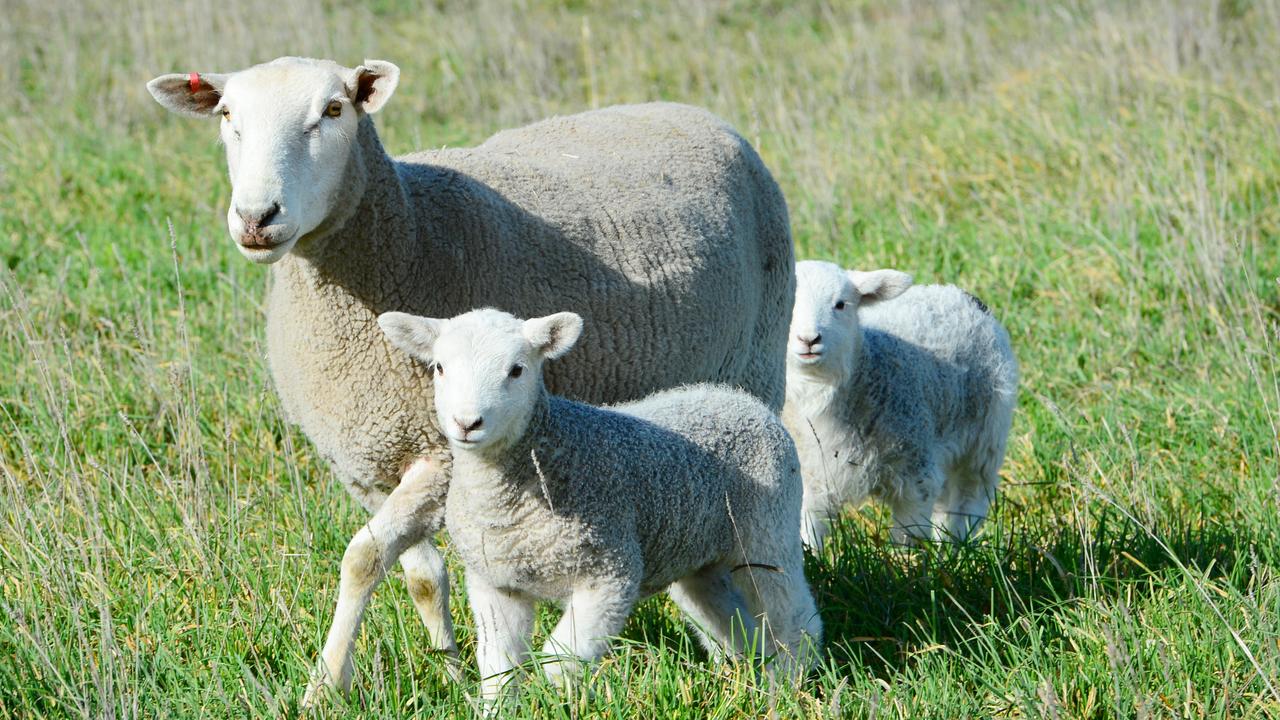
879,285
413,334
553,335
191,94
372,83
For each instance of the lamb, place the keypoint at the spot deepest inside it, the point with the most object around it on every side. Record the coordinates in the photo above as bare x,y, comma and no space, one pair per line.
658,223
695,488
909,401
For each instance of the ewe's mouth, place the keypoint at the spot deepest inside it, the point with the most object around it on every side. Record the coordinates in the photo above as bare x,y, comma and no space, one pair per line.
259,243
809,357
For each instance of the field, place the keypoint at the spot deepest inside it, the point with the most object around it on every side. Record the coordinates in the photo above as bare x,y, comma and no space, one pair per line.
1105,175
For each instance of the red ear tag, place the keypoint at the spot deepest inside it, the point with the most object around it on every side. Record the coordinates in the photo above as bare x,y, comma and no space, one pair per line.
194,80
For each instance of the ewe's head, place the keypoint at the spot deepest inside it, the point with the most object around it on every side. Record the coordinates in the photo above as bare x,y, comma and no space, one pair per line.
289,127
824,320
487,366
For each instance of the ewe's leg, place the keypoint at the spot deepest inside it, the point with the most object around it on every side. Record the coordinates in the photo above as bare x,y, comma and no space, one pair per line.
591,617
428,581
504,624
717,611
397,525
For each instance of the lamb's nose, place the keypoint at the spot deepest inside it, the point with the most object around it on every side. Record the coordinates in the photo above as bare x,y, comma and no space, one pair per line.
468,424
257,217
810,340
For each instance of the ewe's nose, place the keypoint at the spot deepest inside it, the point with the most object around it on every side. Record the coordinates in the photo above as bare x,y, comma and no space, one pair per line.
809,339
467,424
256,217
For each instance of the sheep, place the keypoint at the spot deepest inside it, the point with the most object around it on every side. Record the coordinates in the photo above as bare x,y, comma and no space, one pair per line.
695,488
909,401
657,222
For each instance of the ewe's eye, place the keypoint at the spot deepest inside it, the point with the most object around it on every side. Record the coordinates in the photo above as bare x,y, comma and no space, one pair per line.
226,114
839,304
439,370
334,109
516,371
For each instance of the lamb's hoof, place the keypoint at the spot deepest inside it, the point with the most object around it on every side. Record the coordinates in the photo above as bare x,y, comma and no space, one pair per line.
320,689
452,664
316,691
569,676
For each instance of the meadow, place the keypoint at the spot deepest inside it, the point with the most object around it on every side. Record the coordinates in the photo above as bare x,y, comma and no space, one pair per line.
1105,175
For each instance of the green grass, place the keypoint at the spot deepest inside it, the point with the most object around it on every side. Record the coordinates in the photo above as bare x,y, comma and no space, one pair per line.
1104,174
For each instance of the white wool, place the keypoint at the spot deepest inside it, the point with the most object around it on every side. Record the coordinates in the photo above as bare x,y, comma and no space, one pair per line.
657,223
694,489
900,393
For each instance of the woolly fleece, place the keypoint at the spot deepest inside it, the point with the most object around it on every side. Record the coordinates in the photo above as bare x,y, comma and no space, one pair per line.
920,420
697,486
657,223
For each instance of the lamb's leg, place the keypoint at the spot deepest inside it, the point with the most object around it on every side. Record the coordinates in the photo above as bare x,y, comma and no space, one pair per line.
912,522
504,624
913,508
966,506
591,617
814,526
717,611
397,525
790,627
428,580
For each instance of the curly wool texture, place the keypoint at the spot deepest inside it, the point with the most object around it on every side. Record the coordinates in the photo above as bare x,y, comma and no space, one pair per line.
649,490
657,223
920,421
697,486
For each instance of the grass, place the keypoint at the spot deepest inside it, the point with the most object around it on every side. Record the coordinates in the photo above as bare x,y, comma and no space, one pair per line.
1104,174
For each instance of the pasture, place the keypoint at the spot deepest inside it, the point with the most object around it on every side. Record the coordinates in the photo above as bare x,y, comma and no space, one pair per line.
1105,175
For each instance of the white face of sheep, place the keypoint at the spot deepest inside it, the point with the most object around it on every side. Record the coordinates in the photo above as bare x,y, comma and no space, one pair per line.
824,320
487,366
289,127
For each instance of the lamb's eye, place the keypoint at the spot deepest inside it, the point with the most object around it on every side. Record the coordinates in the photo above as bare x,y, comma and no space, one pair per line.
839,304
334,109
226,114
439,370
516,371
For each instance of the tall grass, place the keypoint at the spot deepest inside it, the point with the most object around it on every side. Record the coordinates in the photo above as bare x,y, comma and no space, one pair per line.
1104,174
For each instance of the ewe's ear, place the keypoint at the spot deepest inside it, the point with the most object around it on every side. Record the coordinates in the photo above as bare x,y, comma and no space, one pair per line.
879,285
372,83
191,94
553,335
411,333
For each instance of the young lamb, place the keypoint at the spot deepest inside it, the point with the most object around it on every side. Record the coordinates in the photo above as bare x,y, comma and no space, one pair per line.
695,489
650,220
909,401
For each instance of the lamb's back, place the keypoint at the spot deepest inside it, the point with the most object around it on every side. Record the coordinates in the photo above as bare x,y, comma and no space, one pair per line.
937,347
681,467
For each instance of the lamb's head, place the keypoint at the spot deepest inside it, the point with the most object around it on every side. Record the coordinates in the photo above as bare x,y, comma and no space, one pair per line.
825,336
487,366
289,127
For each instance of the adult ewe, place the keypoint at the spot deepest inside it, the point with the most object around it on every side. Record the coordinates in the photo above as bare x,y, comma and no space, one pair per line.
657,223
908,400
695,488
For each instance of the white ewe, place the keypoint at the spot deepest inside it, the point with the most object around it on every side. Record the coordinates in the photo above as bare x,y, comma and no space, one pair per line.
696,489
908,400
658,223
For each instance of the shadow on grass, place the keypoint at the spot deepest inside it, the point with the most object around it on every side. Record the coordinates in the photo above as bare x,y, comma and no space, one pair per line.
881,603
